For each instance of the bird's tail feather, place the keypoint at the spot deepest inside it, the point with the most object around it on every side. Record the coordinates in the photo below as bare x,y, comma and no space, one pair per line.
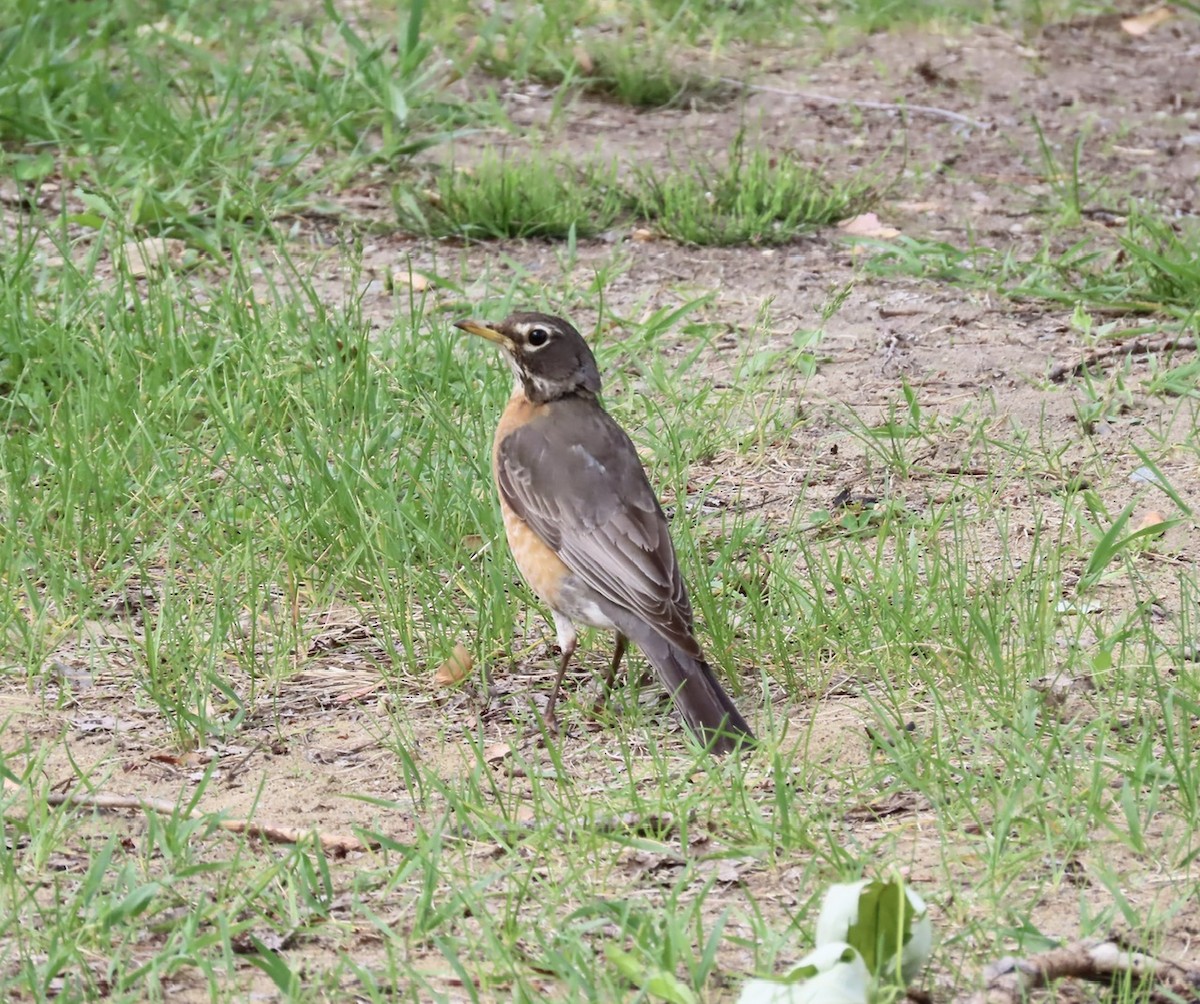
709,712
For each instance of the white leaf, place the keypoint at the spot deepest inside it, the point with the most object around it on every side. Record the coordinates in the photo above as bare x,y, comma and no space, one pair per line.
920,945
841,978
839,910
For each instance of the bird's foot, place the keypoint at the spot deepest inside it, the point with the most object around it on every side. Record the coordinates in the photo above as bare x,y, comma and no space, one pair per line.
600,710
548,718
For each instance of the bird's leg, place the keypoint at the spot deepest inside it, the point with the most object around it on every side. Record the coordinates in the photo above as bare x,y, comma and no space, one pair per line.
567,640
606,682
548,714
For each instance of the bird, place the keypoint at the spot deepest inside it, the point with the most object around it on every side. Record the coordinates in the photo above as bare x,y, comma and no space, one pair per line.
586,529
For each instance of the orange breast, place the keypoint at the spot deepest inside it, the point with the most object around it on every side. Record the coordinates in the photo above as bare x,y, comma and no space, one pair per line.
538,564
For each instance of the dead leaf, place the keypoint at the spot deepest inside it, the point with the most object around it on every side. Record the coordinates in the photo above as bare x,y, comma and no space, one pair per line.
497,752
455,669
65,863
1147,20
867,225
405,278
152,255
249,942
642,235
584,61
654,826
727,871
1152,518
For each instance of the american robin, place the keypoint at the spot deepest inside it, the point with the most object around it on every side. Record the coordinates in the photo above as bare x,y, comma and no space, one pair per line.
586,529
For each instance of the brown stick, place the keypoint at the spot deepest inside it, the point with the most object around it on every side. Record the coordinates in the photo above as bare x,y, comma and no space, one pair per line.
1010,979
1139,348
335,844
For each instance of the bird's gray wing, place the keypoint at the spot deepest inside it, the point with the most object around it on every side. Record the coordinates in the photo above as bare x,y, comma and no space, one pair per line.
573,475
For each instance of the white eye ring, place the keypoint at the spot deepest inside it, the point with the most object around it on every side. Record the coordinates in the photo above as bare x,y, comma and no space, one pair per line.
537,337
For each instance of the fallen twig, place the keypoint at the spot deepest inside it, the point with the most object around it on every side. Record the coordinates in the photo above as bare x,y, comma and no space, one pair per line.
878,106
1009,980
1061,371
336,844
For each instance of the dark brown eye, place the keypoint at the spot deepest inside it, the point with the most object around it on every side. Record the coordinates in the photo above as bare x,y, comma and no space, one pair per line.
538,336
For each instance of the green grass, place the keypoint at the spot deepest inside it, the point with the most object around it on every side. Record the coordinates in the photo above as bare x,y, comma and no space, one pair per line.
647,53
529,196
245,512
660,52
755,196
256,451
183,125
642,74
628,68
1152,268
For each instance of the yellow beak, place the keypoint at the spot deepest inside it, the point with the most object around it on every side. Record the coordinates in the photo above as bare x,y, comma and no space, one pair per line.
483,331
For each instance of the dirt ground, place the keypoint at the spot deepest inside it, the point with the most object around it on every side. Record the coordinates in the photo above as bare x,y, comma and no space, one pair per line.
1136,102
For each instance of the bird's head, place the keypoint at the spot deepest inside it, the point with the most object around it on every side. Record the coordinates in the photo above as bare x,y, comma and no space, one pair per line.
547,355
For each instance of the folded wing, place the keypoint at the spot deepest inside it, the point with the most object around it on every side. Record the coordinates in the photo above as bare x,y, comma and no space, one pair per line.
585,494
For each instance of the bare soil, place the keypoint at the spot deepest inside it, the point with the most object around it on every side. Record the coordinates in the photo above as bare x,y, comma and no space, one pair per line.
331,730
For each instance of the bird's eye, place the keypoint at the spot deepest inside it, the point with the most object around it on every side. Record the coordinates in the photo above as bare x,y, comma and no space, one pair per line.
538,337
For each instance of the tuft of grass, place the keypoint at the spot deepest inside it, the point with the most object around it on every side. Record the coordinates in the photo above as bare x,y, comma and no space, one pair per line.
648,75
127,919
626,69
529,196
1066,182
1154,269
647,54
756,197
241,432
526,41
1163,263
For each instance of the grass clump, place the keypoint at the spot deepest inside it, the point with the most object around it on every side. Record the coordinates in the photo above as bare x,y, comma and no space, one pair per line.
643,54
645,76
626,69
759,197
502,197
1164,264
1155,269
